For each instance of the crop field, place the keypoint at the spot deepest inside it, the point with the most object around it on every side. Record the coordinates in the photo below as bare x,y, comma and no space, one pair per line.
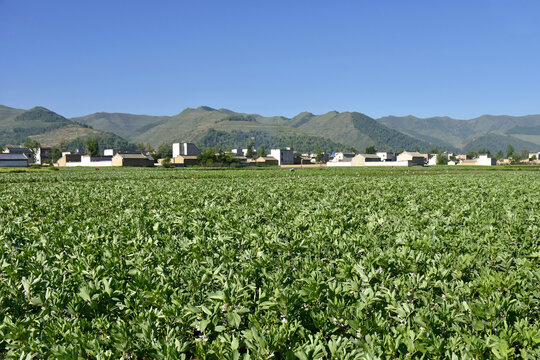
268,263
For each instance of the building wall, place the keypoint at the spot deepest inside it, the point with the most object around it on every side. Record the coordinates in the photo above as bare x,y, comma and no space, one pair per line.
284,156
338,163
132,162
189,149
13,163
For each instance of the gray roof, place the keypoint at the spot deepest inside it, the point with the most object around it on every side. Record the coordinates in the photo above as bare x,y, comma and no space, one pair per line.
133,156
17,150
370,156
13,157
101,158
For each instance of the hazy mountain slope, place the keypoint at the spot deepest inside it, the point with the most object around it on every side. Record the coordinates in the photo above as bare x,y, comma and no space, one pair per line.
470,134
125,125
497,142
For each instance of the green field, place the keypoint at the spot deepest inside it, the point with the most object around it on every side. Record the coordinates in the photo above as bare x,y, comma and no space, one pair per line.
322,263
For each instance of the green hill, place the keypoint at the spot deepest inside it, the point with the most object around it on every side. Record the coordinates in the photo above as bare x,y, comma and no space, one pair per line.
474,134
124,125
51,129
195,125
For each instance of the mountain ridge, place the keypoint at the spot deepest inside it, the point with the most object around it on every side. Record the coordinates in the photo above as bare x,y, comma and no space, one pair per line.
349,129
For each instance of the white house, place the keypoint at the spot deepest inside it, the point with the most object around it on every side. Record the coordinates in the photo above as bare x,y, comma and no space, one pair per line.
387,156
284,156
187,149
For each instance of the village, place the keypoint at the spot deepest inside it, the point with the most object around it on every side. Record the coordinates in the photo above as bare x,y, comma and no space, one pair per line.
188,154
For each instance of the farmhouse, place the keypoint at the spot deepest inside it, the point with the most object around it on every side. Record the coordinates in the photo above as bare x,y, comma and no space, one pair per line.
184,148
185,160
13,160
413,157
20,150
43,155
71,160
387,156
283,156
483,159
361,159
139,160
267,160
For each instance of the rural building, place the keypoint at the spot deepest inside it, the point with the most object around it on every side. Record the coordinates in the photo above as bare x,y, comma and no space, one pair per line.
534,156
188,149
413,157
185,160
267,160
387,156
42,155
69,160
283,156
139,160
13,160
361,159
434,159
20,150
84,160
483,159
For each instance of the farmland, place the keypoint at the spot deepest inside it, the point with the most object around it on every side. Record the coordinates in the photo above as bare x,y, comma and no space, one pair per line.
268,263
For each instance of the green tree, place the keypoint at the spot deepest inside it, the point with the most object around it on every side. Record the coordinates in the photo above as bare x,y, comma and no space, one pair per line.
140,147
371,150
499,155
261,152
509,151
166,163
434,151
165,150
33,145
92,147
441,159
319,156
472,154
249,146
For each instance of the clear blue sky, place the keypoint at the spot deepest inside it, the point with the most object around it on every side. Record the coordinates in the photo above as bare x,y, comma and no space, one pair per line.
456,58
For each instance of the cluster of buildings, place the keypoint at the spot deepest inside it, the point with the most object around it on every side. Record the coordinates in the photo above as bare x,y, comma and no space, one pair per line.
13,156
187,154
407,158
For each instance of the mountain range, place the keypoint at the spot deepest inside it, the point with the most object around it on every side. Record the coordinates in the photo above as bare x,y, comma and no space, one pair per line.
332,131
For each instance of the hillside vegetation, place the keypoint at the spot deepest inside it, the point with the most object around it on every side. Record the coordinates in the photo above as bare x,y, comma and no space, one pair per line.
487,131
226,127
51,129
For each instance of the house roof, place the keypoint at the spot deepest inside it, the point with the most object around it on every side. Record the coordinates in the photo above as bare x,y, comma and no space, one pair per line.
189,157
17,150
266,158
132,156
412,153
13,157
370,156
101,158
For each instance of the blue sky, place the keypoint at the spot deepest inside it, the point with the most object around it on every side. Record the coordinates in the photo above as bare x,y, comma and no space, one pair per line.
455,58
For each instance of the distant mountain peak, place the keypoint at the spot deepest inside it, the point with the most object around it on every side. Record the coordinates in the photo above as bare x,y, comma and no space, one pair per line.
206,108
